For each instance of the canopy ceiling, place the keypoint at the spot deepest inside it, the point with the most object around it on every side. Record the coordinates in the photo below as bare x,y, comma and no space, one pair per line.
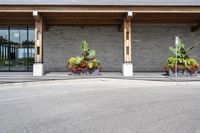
97,14
97,18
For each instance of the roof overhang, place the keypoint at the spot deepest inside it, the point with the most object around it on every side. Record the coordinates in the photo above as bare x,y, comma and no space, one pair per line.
101,8
97,15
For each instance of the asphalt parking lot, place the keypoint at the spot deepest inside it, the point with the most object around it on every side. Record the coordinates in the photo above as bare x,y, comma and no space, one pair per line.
100,106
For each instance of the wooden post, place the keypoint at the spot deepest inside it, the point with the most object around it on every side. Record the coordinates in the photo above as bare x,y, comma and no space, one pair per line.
38,39
127,68
127,40
38,69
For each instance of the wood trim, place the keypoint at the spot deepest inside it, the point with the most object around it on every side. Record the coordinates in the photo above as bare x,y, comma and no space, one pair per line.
94,18
121,26
127,41
100,9
96,15
127,18
38,49
45,26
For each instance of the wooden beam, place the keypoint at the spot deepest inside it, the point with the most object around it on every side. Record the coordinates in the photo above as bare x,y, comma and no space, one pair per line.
89,17
36,16
81,22
167,16
121,26
16,14
128,17
45,25
69,21
169,21
100,9
92,18
195,27
16,23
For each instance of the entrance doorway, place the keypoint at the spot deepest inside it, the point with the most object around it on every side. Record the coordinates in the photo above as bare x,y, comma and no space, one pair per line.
16,48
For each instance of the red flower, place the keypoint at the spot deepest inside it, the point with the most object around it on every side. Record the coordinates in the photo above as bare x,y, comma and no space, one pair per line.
193,68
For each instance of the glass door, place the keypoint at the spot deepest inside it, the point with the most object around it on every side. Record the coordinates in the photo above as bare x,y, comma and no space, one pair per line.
31,48
16,48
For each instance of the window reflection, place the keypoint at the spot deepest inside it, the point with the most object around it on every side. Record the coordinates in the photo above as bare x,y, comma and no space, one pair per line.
4,46
31,38
16,48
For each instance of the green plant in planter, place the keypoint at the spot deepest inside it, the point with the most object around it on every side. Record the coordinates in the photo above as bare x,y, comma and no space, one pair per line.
87,52
184,62
85,63
182,52
73,61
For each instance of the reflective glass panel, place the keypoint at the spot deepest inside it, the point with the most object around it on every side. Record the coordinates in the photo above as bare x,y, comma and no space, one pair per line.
4,49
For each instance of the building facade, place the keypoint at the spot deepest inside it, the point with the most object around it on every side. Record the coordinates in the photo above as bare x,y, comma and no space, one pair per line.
127,37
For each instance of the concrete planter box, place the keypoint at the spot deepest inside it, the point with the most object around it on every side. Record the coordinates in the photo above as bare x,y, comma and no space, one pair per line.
182,73
93,72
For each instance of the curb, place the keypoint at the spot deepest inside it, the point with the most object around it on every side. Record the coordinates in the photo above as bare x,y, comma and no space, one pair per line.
83,80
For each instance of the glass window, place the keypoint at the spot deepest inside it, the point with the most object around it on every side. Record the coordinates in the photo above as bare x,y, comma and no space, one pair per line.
31,50
16,48
4,44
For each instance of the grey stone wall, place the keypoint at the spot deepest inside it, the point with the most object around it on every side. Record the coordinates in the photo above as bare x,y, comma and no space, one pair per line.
150,44
60,43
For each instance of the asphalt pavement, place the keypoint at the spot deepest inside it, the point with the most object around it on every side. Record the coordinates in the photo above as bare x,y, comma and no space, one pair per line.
100,106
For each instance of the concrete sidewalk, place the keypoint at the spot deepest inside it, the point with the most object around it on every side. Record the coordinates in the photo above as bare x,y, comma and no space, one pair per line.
17,77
